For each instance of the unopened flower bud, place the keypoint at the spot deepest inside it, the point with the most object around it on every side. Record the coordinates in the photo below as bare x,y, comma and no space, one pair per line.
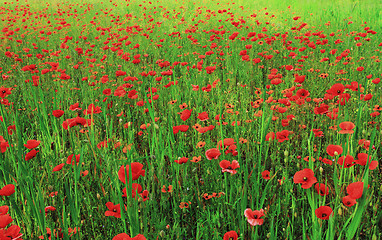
340,211
162,233
321,170
286,153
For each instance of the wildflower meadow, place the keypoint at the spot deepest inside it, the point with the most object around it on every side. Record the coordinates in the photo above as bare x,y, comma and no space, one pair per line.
207,120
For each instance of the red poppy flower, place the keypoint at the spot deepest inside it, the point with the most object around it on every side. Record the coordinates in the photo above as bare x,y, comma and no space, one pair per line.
363,159
32,144
347,127
13,233
321,189
136,171
124,236
302,93
212,153
203,116
30,155
265,175
355,190
270,136
346,161
231,235
58,113
11,129
336,90
227,143
114,210
229,167
282,136
334,150
254,217
185,114
70,158
324,212
181,160
7,190
3,144
5,220
58,167
348,201
4,210
305,177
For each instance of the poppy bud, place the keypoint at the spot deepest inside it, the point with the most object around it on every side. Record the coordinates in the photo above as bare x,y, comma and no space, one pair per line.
321,170
208,172
286,153
269,235
340,211
374,237
50,188
98,196
156,126
298,165
295,214
162,233
167,226
286,159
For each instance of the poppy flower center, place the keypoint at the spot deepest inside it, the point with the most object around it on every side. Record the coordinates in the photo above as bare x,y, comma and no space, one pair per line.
255,216
338,91
229,168
305,178
3,91
324,215
114,210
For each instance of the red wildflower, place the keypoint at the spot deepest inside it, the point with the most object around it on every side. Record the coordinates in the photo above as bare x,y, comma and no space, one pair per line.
305,177
203,116
136,171
231,235
229,167
346,161
181,160
254,217
185,114
355,190
336,90
334,150
265,175
114,210
58,167
30,155
124,236
363,159
32,144
282,136
7,190
212,153
324,212
58,113
348,201
3,144
321,189
5,220
347,127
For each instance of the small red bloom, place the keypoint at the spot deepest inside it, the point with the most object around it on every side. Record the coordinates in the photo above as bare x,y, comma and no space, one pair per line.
32,144
30,155
347,127
334,150
7,190
231,235
124,236
324,212
321,189
348,201
282,136
58,113
355,190
254,217
265,175
181,160
229,167
114,210
212,153
136,171
305,177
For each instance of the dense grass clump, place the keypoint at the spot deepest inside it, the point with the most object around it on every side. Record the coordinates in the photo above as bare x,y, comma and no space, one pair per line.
190,120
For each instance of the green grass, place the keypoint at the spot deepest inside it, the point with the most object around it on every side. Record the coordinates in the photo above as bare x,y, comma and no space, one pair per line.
129,129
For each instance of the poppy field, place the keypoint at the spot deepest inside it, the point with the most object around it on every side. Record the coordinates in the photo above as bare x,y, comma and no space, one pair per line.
190,120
